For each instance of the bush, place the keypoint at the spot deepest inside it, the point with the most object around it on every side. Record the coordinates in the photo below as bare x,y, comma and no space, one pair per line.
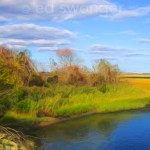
96,79
104,88
108,71
36,81
5,104
23,106
37,93
52,79
19,94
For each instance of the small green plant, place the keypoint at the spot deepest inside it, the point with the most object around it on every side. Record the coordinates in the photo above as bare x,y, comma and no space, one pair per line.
104,88
23,106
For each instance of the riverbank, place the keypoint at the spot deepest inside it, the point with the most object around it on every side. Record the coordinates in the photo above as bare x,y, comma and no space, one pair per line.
61,103
108,104
67,103
56,121
46,124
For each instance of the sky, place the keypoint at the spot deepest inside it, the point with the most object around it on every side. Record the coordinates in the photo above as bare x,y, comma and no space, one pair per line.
115,30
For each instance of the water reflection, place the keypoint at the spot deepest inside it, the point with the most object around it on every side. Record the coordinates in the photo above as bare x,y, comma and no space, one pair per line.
97,132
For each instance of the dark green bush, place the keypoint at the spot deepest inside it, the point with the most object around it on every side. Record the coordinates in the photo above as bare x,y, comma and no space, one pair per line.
37,93
23,106
36,81
52,79
104,88
5,104
19,94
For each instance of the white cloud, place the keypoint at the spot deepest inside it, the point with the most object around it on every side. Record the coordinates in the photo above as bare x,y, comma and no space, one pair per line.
3,19
40,42
140,11
54,10
109,52
1,42
32,31
46,49
15,47
128,32
106,58
137,54
60,10
143,40
105,48
26,35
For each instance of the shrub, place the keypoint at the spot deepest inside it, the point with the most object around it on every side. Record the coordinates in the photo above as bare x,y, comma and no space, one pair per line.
19,94
95,79
108,71
36,81
23,106
104,88
53,79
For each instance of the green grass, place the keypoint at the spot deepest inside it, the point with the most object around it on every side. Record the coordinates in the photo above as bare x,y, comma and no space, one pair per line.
60,101
15,119
119,97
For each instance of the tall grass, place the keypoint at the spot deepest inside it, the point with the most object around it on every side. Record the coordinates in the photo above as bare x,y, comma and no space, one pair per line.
69,101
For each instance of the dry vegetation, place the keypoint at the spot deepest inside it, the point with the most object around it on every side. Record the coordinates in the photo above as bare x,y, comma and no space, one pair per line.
140,80
11,139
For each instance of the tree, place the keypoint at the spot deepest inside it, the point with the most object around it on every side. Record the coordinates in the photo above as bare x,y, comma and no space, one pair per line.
66,56
108,71
9,70
26,65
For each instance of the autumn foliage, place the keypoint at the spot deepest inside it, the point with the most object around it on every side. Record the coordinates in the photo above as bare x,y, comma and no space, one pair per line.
16,68
69,72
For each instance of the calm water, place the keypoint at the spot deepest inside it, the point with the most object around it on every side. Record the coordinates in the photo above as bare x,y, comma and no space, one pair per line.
118,131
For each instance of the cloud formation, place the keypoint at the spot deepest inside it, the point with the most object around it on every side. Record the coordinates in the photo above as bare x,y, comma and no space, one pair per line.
143,40
109,52
46,49
128,32
98,48
137,55
25,35
54,10
60,10
3,19
32,31
39,42
137,12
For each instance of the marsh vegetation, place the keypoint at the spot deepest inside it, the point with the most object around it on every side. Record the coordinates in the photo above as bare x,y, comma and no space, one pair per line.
28,97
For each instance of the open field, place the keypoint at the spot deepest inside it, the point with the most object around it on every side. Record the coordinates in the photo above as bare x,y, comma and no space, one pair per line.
140,80
144,76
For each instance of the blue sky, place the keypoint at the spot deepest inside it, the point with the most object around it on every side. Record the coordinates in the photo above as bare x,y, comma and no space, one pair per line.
115,30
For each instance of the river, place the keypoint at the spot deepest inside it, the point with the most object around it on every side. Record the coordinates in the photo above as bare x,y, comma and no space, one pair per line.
114,131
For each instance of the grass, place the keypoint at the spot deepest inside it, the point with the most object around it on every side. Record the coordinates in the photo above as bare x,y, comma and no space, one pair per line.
48,104
79,100
17,120
119,97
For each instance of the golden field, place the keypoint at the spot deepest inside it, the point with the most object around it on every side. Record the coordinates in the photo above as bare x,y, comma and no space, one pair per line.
140,80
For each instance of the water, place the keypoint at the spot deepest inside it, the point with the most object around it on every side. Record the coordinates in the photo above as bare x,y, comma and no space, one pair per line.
117,131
